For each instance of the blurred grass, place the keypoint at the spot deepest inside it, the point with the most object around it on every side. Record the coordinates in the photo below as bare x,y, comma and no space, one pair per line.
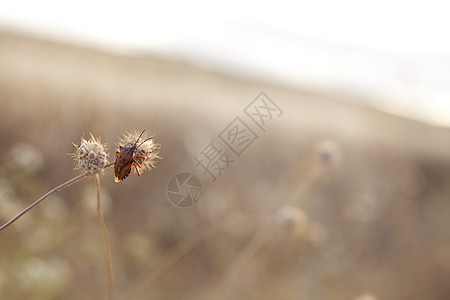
378,222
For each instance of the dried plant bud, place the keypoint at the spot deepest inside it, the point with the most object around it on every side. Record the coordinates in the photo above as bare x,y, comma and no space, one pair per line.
146,153
328,153
90,156
291,219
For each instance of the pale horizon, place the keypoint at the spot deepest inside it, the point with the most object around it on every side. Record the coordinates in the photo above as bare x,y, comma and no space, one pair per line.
391,56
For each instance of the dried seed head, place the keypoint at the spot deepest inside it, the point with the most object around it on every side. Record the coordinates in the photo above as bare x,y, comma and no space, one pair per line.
146,154
90,156
291,219
328,153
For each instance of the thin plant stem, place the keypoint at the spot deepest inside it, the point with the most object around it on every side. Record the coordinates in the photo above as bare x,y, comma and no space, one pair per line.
250,249
56,189
258,240
310,178
111,293
181,249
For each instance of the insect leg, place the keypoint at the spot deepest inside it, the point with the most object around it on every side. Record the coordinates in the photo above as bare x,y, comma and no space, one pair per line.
137,171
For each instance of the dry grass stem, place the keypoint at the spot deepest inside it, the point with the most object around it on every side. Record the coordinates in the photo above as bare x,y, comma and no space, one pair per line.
181,249
309,179
56,189
244,256
111,293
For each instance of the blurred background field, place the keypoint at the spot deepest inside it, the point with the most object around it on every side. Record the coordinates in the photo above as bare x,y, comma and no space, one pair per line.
356,198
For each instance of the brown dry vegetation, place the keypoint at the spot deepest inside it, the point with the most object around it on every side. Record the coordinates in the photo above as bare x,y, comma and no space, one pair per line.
378,221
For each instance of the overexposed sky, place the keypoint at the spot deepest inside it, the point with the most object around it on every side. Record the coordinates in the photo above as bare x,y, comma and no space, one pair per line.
393,54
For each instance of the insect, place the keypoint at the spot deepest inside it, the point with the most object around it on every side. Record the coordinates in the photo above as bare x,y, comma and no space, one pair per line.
125,159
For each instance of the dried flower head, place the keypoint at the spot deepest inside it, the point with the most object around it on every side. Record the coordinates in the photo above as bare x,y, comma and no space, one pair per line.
90,155
146,153
291,219
328,153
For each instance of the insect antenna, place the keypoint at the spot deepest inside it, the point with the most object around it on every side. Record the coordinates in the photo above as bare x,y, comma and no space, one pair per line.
144,141
137,140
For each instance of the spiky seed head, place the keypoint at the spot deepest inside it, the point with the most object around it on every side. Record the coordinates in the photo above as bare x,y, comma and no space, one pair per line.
90,156
328,153
291,219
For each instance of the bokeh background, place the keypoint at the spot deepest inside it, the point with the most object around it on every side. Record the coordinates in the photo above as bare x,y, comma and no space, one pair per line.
343,196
